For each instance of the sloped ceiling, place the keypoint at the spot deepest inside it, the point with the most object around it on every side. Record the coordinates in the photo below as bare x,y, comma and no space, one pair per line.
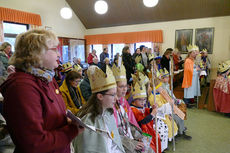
127,12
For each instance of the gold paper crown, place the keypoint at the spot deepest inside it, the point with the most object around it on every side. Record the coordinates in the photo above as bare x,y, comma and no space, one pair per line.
223,67
100,81
164,72
192,48
138,59
119,72
151,57
140,78
204,51
77,67
67,67
138,91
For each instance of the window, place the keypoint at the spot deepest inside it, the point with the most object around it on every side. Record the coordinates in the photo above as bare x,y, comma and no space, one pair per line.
117,48
65,55
11,30
146,44
77,49
98,49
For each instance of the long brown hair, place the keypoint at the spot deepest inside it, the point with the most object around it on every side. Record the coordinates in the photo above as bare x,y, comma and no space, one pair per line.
93,106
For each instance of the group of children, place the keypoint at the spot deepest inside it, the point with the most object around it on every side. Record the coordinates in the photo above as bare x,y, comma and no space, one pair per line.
129,126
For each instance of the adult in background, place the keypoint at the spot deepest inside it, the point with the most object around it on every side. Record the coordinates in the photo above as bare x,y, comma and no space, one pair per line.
191,83
166,58
137,56
144,56
103,55
176,59
85,88
91,56
77,61
128,62
5,68
70,93
34,110
5,50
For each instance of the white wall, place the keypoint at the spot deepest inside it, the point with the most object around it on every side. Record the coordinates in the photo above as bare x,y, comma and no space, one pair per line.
221,47
49,10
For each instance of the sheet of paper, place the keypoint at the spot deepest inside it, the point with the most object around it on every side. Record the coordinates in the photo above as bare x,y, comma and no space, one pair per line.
78,121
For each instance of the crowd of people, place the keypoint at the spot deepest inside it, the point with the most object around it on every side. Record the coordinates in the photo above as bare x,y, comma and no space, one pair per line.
129,98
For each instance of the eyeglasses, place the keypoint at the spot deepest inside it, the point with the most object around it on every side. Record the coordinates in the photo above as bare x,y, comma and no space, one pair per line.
113,95
122,87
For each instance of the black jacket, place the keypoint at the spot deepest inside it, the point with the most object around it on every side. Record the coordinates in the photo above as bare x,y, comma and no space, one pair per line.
129,64
165,63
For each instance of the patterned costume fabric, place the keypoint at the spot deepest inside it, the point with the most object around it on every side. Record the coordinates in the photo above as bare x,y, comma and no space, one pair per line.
221,94
140,114
160,102
123,102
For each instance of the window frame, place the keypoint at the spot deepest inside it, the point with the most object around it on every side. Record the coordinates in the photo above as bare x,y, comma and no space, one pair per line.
12,35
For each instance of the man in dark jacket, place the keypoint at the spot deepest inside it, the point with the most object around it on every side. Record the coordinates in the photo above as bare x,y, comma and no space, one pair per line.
85,88
103,55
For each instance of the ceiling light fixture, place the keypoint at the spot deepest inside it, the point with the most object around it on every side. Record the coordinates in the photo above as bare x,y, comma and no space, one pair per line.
66,13
150,3
101,7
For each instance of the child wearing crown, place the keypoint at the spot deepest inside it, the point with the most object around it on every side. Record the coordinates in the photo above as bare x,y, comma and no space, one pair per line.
221,90
191,83
163,104
126,122
180,103
98,112
145,116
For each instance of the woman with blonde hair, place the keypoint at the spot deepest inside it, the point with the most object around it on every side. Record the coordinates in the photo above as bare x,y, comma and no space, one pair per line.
33,106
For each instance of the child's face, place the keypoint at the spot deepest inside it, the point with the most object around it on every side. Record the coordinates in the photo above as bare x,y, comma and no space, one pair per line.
139,102
165,79
121,88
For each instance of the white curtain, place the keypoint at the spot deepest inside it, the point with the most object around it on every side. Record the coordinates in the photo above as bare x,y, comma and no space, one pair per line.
77,49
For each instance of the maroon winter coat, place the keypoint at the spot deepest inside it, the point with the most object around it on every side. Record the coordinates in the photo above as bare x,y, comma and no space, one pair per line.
35,115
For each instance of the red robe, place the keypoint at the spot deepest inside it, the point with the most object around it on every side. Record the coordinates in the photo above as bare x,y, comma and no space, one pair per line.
147,128
221,94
